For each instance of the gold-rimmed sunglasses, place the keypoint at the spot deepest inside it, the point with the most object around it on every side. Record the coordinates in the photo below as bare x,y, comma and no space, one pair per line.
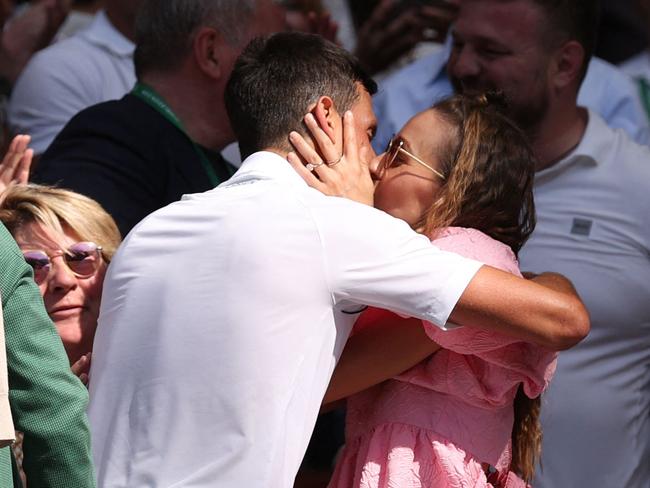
395,146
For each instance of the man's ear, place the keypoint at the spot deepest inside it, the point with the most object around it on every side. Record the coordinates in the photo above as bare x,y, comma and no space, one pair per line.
327,117
208,44
567,64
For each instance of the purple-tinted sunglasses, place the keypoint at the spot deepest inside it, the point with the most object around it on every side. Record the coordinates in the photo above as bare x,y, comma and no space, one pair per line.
82,258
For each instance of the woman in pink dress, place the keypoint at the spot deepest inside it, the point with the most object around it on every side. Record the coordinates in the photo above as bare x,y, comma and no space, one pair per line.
466,416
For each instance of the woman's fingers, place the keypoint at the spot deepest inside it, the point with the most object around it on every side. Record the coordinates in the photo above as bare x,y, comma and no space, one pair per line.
21,175
81,368
299,166
17,162
339,174
325,144
350,144
305,150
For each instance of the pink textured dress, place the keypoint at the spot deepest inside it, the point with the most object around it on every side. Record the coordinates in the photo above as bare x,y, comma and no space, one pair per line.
435,424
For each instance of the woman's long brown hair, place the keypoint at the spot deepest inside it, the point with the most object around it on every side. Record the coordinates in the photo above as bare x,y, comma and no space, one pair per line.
489,169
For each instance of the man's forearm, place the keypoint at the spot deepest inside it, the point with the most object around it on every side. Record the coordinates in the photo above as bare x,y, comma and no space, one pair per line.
546,311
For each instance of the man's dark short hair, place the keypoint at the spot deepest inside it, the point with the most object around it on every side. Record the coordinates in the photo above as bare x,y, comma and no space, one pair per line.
567,20
277,78
165,29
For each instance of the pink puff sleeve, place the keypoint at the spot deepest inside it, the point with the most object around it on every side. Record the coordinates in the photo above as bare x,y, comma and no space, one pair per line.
535,365
476,245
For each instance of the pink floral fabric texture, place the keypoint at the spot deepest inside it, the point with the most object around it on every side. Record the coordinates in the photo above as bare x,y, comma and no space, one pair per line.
435,424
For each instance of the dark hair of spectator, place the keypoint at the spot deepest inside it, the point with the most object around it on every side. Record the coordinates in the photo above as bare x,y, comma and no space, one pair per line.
165,29
277,78
568,20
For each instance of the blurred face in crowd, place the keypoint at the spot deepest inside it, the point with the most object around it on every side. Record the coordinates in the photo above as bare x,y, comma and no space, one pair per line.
406,188
6,7
499,45
71,286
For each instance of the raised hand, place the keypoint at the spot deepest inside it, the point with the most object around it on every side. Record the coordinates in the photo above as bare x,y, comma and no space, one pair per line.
16,164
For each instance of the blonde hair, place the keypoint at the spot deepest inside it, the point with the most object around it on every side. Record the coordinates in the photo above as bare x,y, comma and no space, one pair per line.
55,208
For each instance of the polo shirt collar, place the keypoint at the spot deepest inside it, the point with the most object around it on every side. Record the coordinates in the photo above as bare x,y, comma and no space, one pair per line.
103,34
266,165
594,143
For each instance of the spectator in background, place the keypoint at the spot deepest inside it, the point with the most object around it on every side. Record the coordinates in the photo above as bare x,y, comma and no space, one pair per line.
390,33
622,32
68,239
161,141
82,14
48,402
90,67
605,90
595,417
638,67
28,31
310,16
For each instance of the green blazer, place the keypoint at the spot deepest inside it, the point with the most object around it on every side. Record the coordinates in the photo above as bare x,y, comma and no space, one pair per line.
48,402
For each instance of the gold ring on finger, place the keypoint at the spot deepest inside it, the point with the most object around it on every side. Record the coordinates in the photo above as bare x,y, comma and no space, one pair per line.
332,163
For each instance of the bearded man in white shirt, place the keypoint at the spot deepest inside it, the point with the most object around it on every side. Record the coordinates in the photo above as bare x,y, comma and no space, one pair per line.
224,314
592,201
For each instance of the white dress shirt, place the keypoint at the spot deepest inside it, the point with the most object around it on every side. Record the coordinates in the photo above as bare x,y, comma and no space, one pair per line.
91,67
593,225
222,319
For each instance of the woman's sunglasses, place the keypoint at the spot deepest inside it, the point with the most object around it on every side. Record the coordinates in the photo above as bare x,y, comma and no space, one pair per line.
82,258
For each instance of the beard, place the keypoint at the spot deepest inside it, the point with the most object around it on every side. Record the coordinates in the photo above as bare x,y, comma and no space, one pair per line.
527,112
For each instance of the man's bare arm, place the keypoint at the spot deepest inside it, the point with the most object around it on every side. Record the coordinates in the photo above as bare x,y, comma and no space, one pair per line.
393,345
545,310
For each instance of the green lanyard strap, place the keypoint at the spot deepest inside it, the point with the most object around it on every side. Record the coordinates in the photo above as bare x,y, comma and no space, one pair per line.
151,98
644,88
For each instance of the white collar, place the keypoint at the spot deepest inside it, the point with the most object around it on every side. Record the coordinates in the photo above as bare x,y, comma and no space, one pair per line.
103,34
265,165
595,142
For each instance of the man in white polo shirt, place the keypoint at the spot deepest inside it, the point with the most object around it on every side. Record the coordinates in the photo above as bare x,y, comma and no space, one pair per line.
593,224
224,314
93,66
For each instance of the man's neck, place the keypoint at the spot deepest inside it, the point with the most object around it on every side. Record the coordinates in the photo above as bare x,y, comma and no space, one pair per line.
197,107
557,136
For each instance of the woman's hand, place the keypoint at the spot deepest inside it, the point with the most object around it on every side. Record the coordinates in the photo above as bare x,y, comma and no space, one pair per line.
16,164
335,174
81,368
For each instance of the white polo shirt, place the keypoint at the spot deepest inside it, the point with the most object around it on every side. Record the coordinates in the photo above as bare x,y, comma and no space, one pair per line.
91,67
222,319
593,225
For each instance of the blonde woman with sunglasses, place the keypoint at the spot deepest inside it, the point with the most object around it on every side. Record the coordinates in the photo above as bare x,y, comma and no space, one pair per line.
68,239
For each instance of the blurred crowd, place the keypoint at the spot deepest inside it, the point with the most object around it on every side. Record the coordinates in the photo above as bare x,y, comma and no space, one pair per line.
159,332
